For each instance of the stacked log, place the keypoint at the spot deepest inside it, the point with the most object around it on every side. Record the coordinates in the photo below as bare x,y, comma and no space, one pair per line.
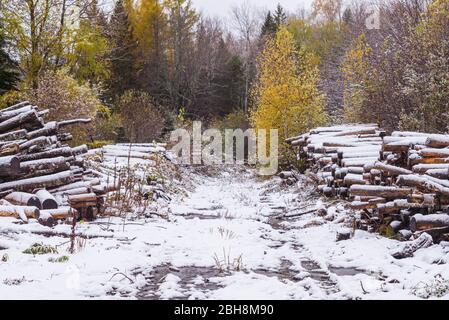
400,181
38,170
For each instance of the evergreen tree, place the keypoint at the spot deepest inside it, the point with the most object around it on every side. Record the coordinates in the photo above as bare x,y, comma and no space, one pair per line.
280,17
269,27
9,73
122,55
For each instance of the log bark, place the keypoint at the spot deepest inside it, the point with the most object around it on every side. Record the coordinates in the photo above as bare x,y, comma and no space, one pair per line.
360,162
352,179
59,214
437,141
16,106
9,165
420,222
61,163
73,122
391,170
425,184
398,205
19,211
48,181
88,197
380,192
50,128
27,120
5,115
423,168
38,143
434,153
14,135
439,173
59,152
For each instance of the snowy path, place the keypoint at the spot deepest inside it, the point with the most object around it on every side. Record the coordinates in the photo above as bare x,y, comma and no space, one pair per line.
224,240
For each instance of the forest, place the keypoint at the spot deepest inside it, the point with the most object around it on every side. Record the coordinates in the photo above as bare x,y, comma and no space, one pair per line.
142,68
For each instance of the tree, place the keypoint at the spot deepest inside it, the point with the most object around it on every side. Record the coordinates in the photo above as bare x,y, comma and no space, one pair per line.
141,116
30,26
89,47
272,22
182,19
280,17
356,73
123,51
286,94
246,21
426,78
329,9
66,99
9,73
149,28
269,27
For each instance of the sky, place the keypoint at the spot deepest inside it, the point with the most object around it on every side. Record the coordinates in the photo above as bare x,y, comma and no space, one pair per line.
221,8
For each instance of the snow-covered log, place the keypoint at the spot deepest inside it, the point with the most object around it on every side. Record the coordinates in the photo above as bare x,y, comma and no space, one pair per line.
47,199
9,166
24,199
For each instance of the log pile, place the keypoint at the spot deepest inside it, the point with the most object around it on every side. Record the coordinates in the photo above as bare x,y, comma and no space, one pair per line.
399,182
39,172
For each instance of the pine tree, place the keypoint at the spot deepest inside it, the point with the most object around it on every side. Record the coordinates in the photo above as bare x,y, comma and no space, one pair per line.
280,17
122,56
9,74
269,27
286,94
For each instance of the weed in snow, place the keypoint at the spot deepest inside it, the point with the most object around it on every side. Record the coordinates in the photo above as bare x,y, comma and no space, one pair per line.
227,264
437,288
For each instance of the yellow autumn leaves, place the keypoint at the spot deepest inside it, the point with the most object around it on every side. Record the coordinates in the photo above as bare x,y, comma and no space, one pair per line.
286,94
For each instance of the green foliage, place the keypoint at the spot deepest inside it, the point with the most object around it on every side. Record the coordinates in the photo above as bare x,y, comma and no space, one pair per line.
237,119
10,98
40,249
9,73
107,125
87,60
62,259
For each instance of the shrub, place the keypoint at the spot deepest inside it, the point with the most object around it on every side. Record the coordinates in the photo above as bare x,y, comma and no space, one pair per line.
141,116
66,99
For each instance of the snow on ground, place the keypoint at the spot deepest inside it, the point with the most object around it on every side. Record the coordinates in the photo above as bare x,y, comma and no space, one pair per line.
222,241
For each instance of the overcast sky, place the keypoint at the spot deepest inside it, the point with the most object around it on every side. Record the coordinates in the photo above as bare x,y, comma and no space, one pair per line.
221,7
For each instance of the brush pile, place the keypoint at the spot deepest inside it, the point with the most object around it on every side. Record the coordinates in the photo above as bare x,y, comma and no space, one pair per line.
400,183
41,177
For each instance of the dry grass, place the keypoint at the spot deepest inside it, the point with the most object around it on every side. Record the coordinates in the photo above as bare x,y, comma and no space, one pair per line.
227,264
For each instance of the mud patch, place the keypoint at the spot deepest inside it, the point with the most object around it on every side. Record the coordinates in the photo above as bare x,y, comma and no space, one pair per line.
321,276
187,276
283,272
